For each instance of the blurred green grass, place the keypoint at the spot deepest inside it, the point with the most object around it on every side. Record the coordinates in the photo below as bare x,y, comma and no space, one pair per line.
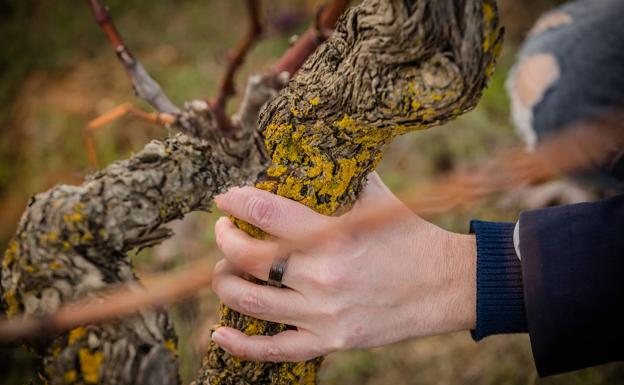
57,72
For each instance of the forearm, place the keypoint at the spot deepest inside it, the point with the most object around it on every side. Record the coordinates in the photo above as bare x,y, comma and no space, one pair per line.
458,297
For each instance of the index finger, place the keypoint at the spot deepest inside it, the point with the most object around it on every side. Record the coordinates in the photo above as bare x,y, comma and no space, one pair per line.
287,346
278,216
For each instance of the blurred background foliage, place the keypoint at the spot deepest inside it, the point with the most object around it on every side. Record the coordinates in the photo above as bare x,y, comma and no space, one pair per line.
57,72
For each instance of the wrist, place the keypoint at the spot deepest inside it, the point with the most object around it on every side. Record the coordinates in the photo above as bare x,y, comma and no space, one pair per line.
442,296
461,292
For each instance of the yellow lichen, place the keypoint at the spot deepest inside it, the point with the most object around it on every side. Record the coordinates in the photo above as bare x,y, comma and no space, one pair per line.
56,350
76,214
248,228
87,237
487,42
490,32
306,172
10,254
52,236
315,101
171,345
29,268
73,217
254,327
70,376
11,300
267,185
488,12
346,123
76,334
277,170
55,265
90,365
495,53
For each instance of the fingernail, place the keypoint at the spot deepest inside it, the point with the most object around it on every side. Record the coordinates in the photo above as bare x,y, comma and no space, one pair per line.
216,336
222,218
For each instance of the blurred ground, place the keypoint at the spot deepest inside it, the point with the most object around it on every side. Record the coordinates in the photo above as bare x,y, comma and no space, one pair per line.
57,72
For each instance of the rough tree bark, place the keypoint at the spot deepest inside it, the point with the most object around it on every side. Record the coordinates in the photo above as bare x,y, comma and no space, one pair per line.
392,66
73,241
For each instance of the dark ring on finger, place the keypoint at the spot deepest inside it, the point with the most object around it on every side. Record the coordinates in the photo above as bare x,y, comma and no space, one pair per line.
278,268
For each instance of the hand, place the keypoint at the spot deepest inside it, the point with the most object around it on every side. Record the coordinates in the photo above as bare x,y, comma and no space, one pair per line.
356,289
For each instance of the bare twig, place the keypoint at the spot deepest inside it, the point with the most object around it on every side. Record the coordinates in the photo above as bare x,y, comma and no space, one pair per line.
325,21
147,88
144,85
114,114
259,90
129,299
262,88
226,85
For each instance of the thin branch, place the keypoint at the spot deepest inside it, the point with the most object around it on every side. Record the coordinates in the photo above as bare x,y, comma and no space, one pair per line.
129,299
114,114
144,85
235,61
291,60
325,22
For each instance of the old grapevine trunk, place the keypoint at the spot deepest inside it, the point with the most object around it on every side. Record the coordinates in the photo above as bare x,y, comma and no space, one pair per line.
392,66
72,241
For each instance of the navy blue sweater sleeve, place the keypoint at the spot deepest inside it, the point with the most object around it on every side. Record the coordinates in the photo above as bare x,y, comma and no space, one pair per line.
573,276
500,303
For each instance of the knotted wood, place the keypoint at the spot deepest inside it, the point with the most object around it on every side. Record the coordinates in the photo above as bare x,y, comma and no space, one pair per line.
73,241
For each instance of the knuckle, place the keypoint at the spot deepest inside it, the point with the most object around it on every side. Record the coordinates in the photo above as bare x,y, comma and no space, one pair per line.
331,311
337,344
244,254
331,279
257,270
216,276
274,353
240,351
251,303
262,211
346,239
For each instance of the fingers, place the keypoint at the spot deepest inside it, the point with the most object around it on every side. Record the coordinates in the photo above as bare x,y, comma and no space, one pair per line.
265,302
288,346
251,255
276,215
255,256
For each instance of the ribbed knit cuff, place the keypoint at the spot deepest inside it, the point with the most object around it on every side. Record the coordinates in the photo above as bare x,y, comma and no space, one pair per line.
500,301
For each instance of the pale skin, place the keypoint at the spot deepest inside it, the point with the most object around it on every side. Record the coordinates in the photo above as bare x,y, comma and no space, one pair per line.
356,289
